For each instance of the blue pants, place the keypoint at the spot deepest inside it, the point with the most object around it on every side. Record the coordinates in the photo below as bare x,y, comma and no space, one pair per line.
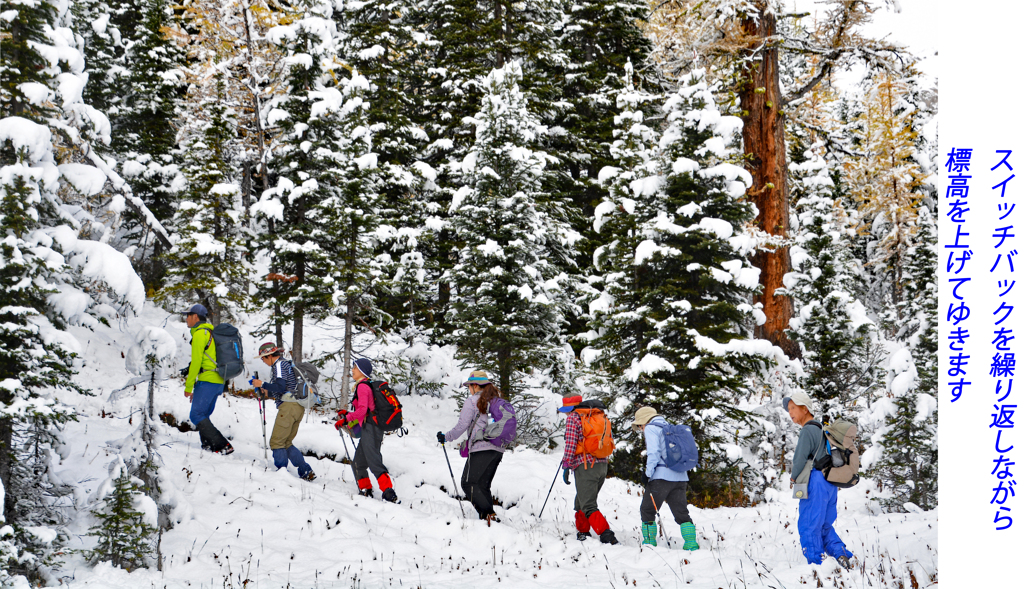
204,400
283,455
817,514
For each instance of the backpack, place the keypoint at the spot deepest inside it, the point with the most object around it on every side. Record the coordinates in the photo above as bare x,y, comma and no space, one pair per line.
387,409
228,350
502,430
306,377
597,430
842,459
681,452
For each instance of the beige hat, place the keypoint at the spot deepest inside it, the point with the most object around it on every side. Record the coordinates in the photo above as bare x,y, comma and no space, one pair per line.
800,398
642,416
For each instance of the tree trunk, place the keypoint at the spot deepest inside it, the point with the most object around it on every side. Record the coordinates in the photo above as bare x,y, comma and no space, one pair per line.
347,358
7,465
297,332
765,147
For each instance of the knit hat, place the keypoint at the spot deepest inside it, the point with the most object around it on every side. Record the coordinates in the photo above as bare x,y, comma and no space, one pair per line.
642,416
570,403
364,365
800,398
269,349
477,377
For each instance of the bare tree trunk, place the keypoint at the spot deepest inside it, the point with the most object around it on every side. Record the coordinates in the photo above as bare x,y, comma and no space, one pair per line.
347,357
7,465
765,145
297,333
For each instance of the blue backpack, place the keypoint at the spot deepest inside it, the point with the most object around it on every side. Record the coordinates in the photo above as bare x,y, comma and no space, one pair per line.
681,452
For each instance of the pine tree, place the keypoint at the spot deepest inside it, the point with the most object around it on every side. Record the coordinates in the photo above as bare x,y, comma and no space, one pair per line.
508,309
670,324
836,337
206,262
325,204
123,532
908,441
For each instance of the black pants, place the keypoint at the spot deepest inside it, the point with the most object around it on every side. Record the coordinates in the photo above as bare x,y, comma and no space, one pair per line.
367,455
477,477
671,492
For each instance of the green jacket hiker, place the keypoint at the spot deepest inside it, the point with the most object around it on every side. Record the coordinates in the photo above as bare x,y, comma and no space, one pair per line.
203,366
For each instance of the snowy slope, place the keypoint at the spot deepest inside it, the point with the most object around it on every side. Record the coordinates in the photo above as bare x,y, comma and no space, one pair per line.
239,523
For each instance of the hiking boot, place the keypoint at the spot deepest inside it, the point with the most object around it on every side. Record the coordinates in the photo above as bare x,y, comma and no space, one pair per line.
366,493
608,537
390,496
225,450
310,476
845,563
581,536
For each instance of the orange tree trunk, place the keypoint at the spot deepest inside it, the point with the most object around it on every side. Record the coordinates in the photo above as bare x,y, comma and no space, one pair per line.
764,145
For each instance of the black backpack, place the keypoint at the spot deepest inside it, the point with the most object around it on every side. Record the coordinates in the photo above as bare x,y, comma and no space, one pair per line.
387,409
228,350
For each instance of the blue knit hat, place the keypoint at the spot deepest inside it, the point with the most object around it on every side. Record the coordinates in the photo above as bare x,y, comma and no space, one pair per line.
364,365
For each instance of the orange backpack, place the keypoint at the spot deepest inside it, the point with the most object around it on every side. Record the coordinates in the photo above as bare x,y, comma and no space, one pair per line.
597,430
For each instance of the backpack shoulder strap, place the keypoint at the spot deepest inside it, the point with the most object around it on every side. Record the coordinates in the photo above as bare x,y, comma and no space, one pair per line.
206,350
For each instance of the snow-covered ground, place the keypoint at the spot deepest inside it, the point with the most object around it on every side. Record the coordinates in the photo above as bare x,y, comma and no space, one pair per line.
240,523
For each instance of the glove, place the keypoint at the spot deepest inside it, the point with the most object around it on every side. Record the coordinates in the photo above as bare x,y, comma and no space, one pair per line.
183,372
440,438
251,378
339,424
643,478
565,475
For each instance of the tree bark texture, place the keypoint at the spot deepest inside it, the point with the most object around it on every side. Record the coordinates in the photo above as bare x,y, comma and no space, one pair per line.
764,145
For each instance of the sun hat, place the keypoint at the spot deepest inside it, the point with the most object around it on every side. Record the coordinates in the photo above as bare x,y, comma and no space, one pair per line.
269,349
477,377
642,416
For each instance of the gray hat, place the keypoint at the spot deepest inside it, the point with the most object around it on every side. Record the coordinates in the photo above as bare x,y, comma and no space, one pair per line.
800,398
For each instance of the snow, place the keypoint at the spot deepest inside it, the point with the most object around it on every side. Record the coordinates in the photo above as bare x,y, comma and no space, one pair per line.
102,263
24,134
649,364
36,93
366,161
603,208
720,227
87,180
646,250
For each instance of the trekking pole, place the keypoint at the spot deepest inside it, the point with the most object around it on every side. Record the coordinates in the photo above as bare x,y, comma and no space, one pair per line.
454,486
661,526
345,444
263,416
549,491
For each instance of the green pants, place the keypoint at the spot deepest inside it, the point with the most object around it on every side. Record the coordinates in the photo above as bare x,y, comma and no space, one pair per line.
289,416
589,480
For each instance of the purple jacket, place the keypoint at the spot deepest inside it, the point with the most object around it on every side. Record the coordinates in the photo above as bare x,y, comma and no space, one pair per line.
470,415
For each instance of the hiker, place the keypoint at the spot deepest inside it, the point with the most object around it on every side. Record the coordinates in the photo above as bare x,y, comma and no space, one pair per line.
483,457
662,484
817,511
589,470
202,384
359,422
289,411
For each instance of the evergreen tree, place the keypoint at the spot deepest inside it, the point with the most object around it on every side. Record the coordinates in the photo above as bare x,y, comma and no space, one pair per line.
206,262
908,441
669,326
836,338
123,532
325,204
509,309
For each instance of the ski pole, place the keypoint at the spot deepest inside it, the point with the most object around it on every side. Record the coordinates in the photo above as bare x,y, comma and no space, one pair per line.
661,526
549,491
345,444
454,486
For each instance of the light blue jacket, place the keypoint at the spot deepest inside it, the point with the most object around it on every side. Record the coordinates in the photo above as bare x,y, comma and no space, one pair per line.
655,439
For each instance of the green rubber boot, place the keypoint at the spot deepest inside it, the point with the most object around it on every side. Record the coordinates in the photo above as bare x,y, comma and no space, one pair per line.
689,535
650,532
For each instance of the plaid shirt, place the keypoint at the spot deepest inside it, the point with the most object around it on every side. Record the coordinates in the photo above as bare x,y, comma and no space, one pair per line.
573,437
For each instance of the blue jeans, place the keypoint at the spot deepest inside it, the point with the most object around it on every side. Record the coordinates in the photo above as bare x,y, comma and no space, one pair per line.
283,455
817,514
204,400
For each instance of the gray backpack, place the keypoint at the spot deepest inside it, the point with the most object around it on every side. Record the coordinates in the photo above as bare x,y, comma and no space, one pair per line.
842,461
306,377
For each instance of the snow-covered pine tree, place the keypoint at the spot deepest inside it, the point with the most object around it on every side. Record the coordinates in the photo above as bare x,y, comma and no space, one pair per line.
837,340
325,204
125,536
44,265
206,263
509,306
379,41
670,325
907,443
136,78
